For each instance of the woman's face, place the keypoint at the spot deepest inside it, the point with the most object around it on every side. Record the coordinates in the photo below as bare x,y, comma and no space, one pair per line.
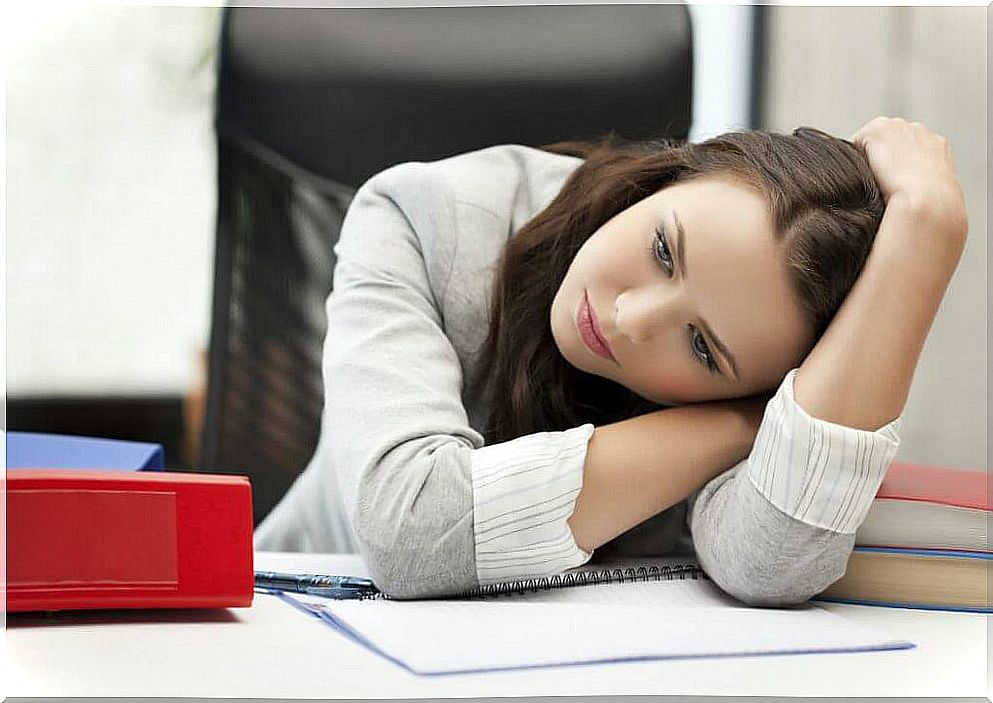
690,270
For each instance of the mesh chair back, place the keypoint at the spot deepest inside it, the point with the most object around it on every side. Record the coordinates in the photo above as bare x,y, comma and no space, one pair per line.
312,102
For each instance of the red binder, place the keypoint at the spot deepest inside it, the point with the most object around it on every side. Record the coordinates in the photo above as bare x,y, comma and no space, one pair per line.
80,539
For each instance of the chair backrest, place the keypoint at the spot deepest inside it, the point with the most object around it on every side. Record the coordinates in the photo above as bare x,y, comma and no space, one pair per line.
312,102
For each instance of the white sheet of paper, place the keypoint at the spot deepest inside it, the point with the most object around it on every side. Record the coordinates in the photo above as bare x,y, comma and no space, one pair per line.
594,623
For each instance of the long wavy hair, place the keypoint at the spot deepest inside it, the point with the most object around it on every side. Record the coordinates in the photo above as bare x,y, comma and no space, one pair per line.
826,208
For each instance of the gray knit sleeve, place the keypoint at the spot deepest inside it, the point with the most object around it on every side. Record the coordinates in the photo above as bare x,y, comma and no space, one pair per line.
399,441
778,528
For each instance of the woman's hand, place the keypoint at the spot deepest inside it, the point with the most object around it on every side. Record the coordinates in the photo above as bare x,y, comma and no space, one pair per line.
915,165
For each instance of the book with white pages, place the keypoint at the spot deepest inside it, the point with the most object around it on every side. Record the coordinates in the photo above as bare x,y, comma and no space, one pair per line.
929,507
622,611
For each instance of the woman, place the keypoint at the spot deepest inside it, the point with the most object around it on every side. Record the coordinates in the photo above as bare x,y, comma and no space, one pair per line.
532,356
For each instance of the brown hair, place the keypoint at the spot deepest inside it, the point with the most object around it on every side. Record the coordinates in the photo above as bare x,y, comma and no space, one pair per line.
826,208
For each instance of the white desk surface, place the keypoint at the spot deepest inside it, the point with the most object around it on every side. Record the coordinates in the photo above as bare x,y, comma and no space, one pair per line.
273,651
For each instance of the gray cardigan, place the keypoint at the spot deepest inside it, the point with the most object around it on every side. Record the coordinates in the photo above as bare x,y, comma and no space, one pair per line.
392,473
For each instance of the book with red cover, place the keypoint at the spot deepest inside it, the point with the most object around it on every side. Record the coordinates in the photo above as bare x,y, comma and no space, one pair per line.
82,539
965,488
929,507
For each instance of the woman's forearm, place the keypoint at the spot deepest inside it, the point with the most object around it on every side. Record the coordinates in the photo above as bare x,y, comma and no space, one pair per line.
860,371
637,468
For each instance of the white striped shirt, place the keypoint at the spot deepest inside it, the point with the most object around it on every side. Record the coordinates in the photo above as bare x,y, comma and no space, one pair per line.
525,490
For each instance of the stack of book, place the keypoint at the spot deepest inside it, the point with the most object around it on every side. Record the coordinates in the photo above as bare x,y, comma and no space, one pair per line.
923,544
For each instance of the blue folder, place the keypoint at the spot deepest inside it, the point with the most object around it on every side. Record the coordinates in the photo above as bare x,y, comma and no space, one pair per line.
35,450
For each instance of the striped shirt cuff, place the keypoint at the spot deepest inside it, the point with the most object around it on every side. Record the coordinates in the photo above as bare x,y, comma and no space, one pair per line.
523,492
819,472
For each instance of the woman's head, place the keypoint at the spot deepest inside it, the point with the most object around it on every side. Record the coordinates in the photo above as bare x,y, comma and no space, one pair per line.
751,238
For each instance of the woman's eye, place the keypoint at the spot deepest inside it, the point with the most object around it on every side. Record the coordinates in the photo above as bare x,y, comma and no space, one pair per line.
660,249
698,345
700,349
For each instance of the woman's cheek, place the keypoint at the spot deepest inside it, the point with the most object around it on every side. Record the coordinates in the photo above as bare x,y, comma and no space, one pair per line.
672,388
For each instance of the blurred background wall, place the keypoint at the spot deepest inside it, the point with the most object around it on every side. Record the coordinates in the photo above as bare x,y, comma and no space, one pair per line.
111,196
111,202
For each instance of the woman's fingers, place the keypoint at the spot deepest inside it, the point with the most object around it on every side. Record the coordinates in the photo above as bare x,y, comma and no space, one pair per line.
908,158
872,124
904,153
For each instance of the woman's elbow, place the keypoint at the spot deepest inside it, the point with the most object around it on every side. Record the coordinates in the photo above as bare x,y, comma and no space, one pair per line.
387,556
783,581
416,553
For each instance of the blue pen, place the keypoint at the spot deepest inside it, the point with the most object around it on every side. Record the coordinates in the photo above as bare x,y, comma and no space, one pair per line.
336,587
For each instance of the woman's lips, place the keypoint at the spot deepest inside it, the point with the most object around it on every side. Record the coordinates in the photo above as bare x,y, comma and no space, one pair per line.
590,331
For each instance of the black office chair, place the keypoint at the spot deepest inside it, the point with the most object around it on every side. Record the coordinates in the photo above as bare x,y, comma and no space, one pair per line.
311,102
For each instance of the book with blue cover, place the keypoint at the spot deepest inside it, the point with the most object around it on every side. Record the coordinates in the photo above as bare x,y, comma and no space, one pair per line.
37,450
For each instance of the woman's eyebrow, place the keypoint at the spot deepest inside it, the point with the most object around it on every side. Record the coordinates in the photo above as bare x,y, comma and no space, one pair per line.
680,251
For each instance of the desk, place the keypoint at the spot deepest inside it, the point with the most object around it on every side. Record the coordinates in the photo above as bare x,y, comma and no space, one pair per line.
273,651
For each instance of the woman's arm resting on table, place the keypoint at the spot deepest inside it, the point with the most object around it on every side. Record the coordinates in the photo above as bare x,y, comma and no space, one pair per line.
637,468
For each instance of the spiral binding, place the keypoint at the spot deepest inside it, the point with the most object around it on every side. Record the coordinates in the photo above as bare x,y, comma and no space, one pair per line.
665,572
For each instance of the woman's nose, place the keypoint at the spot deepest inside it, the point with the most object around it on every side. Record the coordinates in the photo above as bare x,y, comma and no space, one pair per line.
640,315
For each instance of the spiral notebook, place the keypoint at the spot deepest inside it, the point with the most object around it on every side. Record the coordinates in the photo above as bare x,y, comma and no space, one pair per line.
622,611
